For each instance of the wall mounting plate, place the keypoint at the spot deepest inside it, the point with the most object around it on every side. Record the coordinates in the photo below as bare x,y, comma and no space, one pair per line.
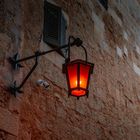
14,61
14,89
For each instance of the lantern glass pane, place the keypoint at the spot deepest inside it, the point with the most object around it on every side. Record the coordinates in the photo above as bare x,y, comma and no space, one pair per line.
78,73
72,75
84,75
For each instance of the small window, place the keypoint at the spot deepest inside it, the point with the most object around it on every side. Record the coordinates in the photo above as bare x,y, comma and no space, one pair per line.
54,32
104,3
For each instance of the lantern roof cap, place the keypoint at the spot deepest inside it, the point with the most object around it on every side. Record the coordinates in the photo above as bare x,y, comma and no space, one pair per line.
81,62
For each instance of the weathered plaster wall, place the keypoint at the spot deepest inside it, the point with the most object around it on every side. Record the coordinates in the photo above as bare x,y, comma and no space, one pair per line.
112,39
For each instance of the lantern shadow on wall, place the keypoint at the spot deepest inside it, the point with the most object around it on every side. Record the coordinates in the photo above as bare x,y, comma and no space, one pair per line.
77,72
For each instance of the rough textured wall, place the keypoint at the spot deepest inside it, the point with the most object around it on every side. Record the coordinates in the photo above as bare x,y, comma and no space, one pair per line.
112,111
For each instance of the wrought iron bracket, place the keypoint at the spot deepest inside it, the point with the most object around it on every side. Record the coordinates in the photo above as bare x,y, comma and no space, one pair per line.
17,89
15,61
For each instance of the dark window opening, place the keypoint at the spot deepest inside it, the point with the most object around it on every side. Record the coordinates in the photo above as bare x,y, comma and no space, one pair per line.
2,15
104,3
54,32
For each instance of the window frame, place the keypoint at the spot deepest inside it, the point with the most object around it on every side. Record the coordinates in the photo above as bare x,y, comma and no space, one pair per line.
61,29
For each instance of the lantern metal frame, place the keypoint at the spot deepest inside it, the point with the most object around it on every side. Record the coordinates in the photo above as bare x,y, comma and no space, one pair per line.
15,61
78,62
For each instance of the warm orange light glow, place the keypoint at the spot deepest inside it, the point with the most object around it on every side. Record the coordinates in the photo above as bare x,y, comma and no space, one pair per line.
77,92
76,83
78,73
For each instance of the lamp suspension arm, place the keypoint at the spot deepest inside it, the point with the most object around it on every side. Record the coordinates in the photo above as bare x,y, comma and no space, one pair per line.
40,54
76,41
68,59
85,52
69,45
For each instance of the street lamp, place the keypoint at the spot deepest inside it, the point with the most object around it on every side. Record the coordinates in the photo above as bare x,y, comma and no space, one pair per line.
77,72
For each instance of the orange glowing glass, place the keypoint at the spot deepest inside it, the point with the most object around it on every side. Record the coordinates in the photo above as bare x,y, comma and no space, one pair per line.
78,75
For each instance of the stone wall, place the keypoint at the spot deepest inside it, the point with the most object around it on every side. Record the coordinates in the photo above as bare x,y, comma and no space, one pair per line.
112,111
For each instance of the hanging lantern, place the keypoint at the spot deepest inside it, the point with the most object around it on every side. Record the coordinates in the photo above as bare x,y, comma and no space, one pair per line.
78,76
77,72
